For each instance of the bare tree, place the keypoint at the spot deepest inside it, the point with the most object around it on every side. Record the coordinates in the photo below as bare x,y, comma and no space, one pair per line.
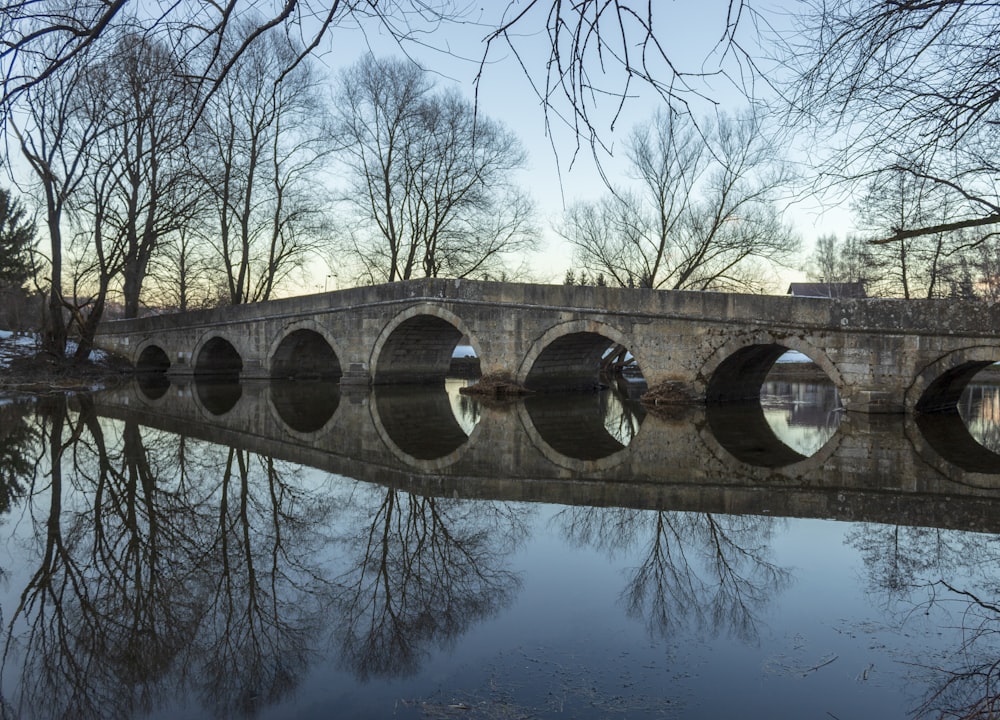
700,214
431,181
266,143
53,134
183,273
924,265
910,80
597,49
847,260
139,188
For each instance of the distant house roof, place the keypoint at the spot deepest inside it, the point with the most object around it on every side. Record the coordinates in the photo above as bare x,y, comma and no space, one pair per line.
828,290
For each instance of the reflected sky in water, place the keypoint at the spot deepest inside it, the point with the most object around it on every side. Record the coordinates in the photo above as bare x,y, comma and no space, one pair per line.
804,415
153,572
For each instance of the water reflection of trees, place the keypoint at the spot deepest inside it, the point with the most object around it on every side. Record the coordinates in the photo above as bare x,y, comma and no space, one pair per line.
150,580
701,569
422,571
171,570
18,447
918,572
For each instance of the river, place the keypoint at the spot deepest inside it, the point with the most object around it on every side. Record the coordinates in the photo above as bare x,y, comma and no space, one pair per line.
302,551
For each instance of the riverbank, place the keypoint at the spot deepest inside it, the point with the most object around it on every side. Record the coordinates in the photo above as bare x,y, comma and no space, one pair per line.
25,369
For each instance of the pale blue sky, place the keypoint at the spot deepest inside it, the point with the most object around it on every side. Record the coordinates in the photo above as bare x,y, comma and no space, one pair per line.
690,34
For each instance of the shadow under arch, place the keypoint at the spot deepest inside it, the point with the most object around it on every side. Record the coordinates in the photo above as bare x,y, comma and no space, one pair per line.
152,359
417,345
218,357
568,356
418,425
304,406
304,352
938,386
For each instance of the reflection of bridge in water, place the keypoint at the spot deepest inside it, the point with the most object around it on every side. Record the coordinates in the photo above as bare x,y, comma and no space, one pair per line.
924,470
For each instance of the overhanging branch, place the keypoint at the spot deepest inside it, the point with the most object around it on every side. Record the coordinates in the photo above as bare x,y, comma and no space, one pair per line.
901,234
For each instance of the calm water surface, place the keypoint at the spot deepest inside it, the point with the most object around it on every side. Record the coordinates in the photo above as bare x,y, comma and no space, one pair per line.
295,552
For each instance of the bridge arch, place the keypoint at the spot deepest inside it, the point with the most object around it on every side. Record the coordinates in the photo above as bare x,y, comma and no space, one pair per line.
304,349
151,369
939,385
217,367
737,370
416,345
215,355
568,355
152,359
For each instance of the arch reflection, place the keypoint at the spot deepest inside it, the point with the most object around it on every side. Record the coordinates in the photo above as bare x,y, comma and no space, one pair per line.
305,406
218,395
743,430
153,385
585,426
419,420
950,438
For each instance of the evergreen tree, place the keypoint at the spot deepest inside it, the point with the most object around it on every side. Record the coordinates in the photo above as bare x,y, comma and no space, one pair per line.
17,236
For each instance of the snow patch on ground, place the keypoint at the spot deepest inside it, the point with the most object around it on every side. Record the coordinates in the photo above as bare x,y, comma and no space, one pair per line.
13,345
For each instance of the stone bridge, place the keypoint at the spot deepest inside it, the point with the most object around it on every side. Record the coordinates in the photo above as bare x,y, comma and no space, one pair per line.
884,355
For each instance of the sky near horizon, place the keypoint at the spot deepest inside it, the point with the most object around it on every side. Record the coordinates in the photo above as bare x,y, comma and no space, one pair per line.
559,170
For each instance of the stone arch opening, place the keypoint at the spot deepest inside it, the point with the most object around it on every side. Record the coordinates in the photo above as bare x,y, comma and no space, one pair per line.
772,406
305,354
217,371
417,351
587,359
957,401
740,377
153,359
218,358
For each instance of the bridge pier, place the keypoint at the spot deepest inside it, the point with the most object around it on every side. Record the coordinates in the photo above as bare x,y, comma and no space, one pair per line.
873,402
356,374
